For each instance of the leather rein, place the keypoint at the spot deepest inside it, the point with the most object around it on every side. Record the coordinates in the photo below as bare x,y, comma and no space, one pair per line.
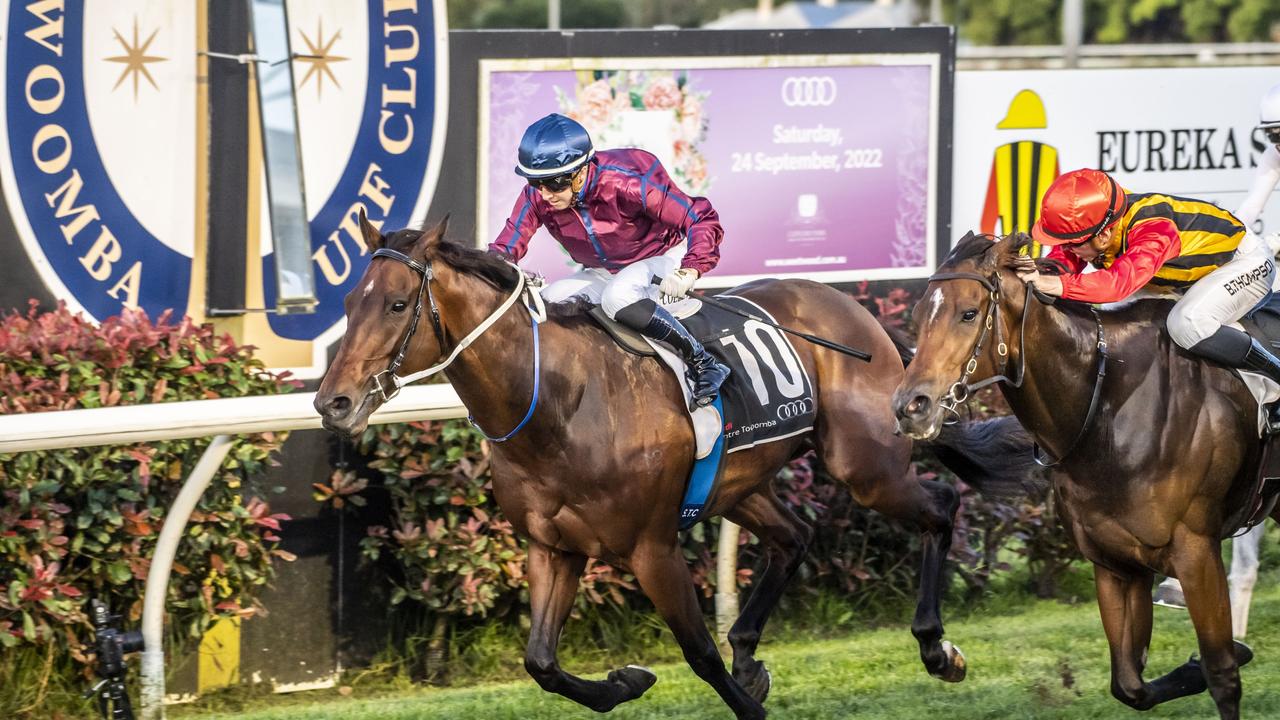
962,389
387,384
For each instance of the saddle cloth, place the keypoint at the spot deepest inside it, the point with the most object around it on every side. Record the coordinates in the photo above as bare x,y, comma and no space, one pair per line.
768,396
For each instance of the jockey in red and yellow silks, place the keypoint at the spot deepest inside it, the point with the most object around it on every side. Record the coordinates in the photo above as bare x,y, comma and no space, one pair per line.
1190,247
619,215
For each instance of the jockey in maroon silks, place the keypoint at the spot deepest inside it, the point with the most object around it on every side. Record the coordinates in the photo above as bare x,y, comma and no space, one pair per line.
620,216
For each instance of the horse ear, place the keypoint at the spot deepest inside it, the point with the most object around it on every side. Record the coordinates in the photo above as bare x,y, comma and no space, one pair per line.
1004,250
373,239
433,236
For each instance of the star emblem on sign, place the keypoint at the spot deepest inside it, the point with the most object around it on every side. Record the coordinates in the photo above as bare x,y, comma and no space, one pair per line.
135,59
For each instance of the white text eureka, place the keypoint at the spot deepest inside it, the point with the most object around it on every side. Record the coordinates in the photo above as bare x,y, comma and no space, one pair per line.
46,90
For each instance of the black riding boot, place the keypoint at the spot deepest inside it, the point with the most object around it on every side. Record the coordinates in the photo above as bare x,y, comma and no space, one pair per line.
1237,349
706,374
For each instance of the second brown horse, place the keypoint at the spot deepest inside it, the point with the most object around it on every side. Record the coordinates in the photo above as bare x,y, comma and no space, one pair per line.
1156,448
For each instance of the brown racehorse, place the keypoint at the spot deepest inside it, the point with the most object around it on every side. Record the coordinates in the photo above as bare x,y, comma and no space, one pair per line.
600,467
1156,448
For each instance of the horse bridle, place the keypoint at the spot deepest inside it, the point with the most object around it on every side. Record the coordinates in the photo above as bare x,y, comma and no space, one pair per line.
962,389
388,378
424,289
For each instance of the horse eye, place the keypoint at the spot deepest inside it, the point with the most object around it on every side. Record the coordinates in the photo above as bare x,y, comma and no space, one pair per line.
398,307
968,315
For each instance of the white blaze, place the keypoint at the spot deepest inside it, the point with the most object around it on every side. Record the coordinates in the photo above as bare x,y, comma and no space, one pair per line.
935,303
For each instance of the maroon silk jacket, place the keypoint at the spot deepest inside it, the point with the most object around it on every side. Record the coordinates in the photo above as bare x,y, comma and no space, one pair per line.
628,210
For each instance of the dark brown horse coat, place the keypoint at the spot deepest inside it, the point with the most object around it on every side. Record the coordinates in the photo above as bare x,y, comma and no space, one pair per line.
599,470
1149,483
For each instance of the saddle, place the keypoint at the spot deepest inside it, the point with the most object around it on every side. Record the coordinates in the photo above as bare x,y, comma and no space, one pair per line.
1264,323
626,338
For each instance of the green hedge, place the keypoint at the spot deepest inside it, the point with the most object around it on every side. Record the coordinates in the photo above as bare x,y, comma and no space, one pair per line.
83,522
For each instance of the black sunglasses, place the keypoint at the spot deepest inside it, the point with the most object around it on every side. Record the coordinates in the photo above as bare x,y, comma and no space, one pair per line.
1272,134
558,183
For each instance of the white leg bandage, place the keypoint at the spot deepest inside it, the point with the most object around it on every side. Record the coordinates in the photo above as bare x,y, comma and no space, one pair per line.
1244,573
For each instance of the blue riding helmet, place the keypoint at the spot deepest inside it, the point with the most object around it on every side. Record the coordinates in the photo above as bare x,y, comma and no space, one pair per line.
553,146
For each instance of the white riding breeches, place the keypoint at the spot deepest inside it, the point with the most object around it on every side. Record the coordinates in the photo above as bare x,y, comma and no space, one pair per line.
613,292
1224,295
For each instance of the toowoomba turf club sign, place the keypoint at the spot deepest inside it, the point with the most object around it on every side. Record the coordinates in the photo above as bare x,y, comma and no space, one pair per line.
99,154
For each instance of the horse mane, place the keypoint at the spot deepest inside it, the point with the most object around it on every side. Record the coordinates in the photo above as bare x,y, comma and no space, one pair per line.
972,245
490,268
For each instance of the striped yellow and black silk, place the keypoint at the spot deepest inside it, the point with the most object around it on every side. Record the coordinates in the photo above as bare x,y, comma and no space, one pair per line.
1209,235
1024,170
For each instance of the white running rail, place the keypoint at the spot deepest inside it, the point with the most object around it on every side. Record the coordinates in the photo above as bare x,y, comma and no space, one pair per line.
196,418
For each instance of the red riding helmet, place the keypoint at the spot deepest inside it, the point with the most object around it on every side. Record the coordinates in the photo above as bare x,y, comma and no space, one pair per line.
1077,206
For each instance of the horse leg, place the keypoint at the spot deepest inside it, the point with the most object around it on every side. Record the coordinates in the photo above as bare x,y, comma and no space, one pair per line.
786,538
873,466
1124,601
553,583
1243,576
936,519
664,577
931,506
1204,581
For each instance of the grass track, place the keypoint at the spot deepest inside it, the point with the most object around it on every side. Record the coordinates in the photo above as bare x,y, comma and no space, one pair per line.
1044,660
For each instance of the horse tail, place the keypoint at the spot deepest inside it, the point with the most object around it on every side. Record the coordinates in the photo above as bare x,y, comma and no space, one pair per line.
994,456
901,343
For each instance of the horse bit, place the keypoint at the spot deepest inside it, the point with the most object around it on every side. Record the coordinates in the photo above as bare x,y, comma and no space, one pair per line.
962,390
387,384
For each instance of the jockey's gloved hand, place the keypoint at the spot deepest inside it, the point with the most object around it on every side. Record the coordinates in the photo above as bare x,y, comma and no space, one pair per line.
679,283
1025,268
498,253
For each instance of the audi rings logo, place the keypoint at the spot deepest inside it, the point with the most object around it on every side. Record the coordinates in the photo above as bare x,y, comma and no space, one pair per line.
795,408
810,91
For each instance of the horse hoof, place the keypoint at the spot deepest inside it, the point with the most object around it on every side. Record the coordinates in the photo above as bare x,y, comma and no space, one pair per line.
756,680
956,668
635,679
1244,653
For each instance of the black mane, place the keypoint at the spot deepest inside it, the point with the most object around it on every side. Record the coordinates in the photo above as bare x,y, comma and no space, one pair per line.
971,246
479,263
488,267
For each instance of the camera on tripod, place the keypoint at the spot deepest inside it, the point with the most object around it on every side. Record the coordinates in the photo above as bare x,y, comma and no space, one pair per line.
111,646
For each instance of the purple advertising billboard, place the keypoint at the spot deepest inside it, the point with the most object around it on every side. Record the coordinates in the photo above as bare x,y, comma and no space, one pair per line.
821,167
